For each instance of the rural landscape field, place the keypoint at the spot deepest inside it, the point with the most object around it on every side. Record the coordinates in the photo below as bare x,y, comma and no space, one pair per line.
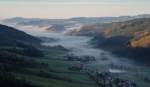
68,43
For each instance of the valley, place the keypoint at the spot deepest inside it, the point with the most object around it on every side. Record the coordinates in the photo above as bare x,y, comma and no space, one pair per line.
74,43
105,61
75,60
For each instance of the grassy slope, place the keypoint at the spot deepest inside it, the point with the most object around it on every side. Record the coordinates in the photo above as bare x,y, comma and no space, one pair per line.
57,67
56,73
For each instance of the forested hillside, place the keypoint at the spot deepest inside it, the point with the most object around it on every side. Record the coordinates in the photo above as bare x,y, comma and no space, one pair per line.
16,54
129,38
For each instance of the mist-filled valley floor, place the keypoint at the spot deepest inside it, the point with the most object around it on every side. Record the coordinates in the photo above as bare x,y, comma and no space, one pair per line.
65,56
79,46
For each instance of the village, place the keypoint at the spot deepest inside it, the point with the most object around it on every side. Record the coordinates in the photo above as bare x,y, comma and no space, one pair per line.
102,79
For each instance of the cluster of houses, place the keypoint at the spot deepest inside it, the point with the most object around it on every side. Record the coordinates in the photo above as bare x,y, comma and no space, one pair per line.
81,59
102,79
107,79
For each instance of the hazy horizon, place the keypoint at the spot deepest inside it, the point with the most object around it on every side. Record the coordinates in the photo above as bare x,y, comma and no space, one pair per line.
60,9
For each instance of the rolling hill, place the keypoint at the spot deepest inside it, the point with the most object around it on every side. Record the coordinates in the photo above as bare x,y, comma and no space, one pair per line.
45,24
17,50
12,36
129,38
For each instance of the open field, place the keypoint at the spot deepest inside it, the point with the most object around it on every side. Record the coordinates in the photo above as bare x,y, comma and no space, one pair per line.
55,73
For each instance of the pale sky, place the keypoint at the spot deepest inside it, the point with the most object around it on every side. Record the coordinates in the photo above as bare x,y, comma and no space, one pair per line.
72,8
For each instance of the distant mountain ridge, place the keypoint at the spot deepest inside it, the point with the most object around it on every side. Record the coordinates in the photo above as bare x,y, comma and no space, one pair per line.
82,20
66,23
